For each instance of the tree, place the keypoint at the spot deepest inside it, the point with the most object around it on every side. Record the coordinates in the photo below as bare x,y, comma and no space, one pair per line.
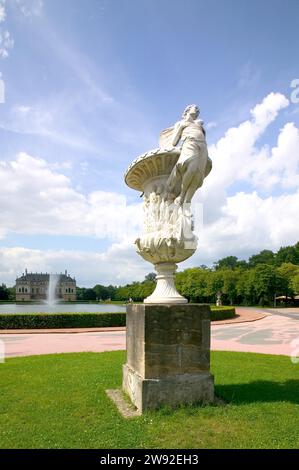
295,284
111,291
150,277
264,257
192,284
11,293
215,285
103,292
4,293
136,291
230,278
245,288
230,262
289,270
89,294
84,293
267,283
242,264
288,254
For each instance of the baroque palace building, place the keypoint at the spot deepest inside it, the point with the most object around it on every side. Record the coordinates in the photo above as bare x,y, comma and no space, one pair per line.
35,286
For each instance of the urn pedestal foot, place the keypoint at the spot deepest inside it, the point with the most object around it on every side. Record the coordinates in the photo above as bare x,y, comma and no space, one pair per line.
165,291
168,355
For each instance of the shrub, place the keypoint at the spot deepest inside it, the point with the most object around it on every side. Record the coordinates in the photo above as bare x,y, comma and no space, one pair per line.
222,313
61,320
82,320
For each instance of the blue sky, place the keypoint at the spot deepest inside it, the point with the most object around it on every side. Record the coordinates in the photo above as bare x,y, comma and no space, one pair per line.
89,84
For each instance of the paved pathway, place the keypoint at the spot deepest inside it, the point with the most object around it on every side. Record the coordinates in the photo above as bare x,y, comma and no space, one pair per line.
276,333
32,344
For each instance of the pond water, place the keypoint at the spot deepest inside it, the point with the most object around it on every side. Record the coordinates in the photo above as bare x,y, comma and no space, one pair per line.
61,308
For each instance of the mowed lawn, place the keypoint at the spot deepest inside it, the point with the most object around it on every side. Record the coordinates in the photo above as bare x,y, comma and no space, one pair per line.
59,401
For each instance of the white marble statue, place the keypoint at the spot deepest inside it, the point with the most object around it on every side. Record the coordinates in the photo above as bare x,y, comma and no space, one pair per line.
190,170
168,178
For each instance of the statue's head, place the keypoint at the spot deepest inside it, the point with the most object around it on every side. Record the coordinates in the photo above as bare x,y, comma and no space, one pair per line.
192,109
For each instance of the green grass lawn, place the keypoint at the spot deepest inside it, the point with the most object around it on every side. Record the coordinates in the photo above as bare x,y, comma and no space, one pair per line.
59,401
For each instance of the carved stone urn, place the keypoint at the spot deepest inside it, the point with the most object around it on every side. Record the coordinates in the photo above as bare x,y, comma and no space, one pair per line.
168,178
168,236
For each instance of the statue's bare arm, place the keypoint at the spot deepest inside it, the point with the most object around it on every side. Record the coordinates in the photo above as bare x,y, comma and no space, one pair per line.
177,133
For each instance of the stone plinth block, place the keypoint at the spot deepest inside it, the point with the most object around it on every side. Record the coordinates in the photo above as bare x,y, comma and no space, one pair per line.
168,355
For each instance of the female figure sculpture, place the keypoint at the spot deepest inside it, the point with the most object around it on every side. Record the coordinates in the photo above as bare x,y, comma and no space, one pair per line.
193,163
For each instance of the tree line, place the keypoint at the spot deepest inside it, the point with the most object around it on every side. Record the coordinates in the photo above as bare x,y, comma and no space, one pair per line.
258,281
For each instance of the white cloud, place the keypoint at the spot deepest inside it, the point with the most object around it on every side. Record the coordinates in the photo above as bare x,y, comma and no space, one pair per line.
243,223
211,125
236,155
6,43
280,166
233,154
249,223
30,7
2,11
36,199
59,118
119,264
64,165
52,119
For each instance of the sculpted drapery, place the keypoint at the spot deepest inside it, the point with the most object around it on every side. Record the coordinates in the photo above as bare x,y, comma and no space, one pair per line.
168,178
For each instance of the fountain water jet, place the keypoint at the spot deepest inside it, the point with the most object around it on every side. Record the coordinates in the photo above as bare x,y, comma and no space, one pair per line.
51,293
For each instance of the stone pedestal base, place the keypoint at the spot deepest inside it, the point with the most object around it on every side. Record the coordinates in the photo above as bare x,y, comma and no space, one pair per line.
168,355
165,292
147,394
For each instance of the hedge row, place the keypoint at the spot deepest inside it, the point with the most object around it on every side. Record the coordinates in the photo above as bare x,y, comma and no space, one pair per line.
222,313
82,320
61,320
